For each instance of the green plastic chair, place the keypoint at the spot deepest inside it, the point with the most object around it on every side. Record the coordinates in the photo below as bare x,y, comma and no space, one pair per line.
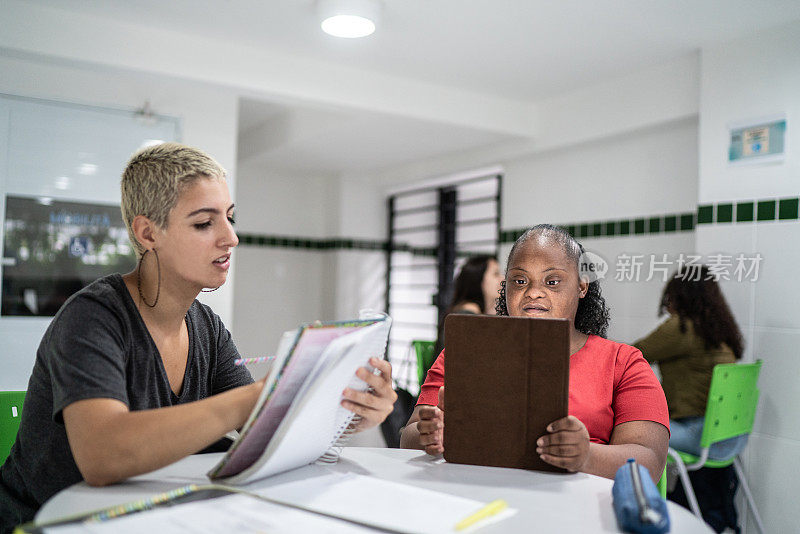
10,416
730,412
662,484
425,357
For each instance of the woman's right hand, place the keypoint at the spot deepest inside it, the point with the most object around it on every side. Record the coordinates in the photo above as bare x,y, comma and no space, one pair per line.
431,426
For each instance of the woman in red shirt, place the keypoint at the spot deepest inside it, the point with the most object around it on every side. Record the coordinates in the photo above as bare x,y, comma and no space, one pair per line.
617,408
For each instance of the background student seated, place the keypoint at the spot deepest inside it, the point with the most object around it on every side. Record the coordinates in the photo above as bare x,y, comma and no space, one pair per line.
699,334
616,405
475,290
133,372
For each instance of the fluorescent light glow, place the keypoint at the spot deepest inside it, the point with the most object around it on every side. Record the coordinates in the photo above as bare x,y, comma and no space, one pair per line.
349,18
348,26
87,169
62,182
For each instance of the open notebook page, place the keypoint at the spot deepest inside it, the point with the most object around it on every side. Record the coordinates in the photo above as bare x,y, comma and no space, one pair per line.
296,370
316,418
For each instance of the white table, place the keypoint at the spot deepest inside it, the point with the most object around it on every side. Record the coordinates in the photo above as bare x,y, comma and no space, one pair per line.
545,502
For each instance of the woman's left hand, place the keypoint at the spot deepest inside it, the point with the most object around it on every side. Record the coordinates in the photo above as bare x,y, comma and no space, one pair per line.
377,403
566,445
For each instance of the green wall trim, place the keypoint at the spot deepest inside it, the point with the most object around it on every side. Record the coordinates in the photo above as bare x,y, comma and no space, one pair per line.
764,210
749,211
310,243
661,224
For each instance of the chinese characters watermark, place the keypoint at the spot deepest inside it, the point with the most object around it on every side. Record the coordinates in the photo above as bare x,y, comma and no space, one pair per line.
646,267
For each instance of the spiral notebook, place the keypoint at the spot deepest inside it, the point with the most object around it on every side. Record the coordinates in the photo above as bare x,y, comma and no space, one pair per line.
298,418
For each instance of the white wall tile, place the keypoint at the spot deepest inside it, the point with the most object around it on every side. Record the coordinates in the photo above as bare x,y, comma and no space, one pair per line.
359,280
278,203
778,382
363,208
277,289
771,467
776,291
732,240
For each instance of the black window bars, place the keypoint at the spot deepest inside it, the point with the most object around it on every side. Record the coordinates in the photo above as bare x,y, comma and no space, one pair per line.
430,231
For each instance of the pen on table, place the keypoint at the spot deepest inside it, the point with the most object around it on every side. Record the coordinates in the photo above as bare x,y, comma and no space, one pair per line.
493,508
245,361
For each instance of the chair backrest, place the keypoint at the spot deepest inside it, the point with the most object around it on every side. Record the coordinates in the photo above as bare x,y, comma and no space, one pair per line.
425,357
732,401
10,416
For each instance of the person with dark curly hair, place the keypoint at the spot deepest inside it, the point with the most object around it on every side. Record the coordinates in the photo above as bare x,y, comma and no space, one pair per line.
699,334
617,408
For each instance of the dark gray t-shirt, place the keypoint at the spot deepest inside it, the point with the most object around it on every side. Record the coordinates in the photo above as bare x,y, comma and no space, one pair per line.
97,346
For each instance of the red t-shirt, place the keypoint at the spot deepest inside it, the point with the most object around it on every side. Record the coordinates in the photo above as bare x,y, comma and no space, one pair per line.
609,383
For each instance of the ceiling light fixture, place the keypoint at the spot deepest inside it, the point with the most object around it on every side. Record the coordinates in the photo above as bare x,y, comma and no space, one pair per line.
349,18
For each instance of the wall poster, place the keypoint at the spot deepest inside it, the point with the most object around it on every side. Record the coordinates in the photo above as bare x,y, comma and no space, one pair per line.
53,248
761,141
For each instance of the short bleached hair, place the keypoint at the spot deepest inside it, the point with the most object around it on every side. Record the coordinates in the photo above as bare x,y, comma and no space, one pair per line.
155,177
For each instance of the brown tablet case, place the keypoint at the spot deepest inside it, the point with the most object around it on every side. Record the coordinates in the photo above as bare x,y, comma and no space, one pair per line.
506,379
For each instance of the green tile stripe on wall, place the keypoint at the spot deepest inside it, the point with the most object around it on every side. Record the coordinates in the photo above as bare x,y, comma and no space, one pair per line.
749,211
724,213
674,222
782,209
304,243
744,211
766,209
788,208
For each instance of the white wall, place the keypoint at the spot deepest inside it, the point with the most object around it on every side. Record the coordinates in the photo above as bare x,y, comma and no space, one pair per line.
621,149
650,170
746,79
360,275
644,173
279,288
208,120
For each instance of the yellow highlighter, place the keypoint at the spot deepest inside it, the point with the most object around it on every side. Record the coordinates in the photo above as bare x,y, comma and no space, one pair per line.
493,508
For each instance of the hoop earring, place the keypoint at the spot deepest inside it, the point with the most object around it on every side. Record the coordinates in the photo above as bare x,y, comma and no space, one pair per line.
139,279
209,290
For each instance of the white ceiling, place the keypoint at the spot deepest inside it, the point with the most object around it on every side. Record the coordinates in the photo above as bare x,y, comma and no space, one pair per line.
519,50
321,141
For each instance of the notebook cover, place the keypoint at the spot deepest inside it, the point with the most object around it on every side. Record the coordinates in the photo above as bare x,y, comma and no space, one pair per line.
506,379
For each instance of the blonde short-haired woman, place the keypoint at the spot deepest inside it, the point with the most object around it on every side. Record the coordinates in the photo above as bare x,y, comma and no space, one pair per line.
133,372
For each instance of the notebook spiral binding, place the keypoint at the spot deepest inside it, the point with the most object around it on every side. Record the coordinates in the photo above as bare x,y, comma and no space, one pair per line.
332,455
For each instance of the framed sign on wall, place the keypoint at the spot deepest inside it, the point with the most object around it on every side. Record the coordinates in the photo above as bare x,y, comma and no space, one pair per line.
757,141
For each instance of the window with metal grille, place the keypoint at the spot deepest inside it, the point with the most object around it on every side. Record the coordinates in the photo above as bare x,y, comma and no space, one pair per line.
431,232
